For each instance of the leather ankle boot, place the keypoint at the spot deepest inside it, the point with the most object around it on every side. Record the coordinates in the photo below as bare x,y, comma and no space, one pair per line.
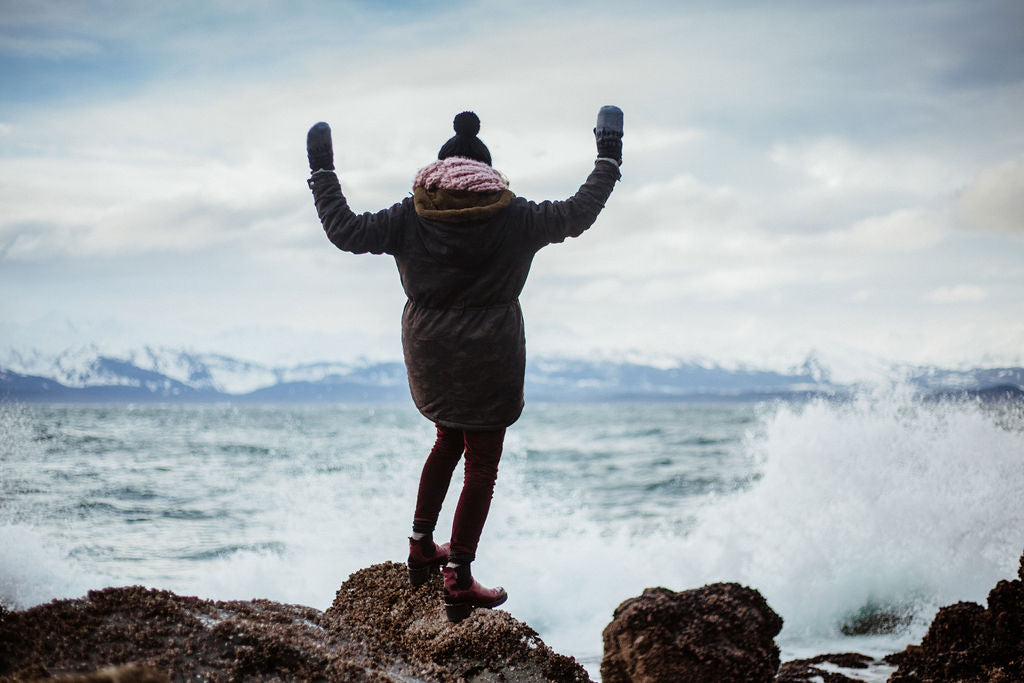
425,557
462,593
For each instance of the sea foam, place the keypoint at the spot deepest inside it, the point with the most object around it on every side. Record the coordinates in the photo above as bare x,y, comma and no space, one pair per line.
883,502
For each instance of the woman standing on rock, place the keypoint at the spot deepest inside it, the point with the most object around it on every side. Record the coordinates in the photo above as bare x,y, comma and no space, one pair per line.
463,243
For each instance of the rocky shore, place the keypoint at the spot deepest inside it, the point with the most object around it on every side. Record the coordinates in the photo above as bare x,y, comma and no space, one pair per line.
721,632
381,629
969,643
377,629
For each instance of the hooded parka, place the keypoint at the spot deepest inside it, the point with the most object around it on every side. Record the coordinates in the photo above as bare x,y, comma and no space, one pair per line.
463,260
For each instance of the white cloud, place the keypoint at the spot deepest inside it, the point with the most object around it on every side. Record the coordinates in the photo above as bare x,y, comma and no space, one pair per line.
957,294
783,183
645,137
729,283
840,165
995,200
680,204
111,208
901,230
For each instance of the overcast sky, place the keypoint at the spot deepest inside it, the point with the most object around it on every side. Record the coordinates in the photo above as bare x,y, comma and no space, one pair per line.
846,177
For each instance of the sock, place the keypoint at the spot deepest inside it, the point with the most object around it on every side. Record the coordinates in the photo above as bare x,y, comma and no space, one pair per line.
417,535
463,577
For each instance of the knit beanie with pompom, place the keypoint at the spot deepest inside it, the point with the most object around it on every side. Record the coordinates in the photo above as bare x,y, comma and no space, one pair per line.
465,143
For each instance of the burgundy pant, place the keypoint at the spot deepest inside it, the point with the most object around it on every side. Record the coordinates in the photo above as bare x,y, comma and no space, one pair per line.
483,450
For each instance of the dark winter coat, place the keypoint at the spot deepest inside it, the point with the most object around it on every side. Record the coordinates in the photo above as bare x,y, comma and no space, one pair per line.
462,327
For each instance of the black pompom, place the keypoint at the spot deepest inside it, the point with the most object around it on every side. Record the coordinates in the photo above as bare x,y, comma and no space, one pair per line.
467,123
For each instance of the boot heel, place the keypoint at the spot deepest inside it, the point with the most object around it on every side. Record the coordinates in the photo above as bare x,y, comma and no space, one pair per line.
419,575
458,611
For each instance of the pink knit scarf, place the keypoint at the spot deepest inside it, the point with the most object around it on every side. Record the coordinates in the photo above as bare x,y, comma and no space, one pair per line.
460,173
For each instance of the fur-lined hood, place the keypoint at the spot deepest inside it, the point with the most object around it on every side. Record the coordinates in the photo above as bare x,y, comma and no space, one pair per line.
459,190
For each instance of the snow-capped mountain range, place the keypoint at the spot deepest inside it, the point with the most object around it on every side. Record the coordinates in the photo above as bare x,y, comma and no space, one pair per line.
155,373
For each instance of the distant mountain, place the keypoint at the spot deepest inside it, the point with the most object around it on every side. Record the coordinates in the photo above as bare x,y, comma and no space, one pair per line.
162,374
937,379
577,379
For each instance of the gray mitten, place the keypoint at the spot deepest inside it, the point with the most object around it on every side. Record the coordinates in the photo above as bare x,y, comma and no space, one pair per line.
319,148
609,133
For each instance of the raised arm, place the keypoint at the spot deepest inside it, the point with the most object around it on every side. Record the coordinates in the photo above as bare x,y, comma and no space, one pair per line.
552,221
375,233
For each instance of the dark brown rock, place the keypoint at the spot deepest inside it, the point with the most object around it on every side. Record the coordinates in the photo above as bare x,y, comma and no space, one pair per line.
722,633
129,673
970,643
489,645
808,670
379,629
875,620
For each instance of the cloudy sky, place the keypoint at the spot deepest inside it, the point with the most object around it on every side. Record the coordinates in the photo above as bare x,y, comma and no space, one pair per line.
845,178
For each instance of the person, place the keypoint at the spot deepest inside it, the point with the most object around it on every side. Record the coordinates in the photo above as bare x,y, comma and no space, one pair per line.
463,244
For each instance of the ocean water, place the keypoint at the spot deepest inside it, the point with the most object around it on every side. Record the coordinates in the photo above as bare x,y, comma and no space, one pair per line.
882,504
